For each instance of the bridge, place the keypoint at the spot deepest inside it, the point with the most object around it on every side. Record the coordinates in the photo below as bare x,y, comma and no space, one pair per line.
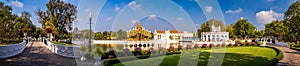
37,54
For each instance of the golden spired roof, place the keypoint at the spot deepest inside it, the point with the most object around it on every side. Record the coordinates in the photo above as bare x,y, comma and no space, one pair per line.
139,34
139,27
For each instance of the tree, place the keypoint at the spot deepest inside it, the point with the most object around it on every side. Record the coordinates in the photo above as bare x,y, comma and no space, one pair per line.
24,25
276,28
121,34
86,34
60,14
243,28
206,27
231,31
99,36
292,21
12,26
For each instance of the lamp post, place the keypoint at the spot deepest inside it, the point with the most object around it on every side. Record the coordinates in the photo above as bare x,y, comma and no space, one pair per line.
90,17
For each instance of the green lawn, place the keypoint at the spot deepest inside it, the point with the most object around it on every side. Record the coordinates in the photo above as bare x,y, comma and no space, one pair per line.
237,56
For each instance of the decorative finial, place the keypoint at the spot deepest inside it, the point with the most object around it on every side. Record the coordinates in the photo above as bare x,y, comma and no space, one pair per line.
139,27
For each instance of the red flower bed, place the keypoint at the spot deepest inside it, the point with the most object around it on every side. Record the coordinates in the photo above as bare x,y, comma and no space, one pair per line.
236,44
223,44
138,49
196,46
248,43
189,46
211,45
179,47
171,49
204,46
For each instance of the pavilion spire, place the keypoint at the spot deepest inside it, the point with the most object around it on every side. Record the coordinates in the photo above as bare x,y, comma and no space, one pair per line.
139,27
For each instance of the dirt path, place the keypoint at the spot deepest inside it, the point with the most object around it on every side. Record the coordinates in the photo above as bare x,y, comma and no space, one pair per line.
290,57
37,54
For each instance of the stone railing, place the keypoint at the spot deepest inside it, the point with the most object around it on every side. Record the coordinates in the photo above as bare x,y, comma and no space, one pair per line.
12,49
66,51
281,43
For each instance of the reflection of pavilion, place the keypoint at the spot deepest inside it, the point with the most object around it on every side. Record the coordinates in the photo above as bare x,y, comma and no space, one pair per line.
214,35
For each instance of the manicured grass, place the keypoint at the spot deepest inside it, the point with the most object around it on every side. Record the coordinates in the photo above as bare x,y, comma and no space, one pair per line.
63,43
237,56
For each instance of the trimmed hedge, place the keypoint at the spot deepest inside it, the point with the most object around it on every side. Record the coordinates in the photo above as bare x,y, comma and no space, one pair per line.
109,62
278,57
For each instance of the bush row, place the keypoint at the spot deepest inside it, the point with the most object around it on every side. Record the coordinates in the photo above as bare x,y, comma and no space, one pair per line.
109,62
278,57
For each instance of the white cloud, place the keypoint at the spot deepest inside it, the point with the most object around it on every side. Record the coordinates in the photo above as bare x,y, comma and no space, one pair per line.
208,9
179,19
16,3
152,17
133,21
234,11
107,19
264,17
117,8
133,5
197,25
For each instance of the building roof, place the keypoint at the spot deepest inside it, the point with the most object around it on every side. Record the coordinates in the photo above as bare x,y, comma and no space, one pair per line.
160,31
164,31
174,31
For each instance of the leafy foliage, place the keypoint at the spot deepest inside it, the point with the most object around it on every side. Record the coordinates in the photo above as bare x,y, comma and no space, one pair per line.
244,28
61,15
13,26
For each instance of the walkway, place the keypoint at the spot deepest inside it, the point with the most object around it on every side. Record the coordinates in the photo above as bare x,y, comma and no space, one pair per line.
37,54
290,57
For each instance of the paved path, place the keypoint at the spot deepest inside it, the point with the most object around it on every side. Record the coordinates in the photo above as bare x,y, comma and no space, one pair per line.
290,57
37,54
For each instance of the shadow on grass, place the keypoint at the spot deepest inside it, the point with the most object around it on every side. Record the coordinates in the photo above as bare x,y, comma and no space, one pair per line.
230,59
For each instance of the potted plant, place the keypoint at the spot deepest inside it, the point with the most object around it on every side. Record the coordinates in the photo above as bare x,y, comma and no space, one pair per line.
97,54
83,50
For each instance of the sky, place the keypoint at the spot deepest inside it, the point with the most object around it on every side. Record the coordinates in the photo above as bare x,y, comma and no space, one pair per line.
182,15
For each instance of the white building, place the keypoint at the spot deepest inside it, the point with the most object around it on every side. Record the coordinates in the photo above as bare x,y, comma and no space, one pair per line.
172,35
215,35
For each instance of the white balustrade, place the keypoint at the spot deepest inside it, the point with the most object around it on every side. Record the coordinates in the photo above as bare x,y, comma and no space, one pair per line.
66,51
12,50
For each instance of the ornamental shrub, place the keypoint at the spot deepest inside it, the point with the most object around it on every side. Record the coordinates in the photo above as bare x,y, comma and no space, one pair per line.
189,46
196,46
179,47
223,45
204,46
211,45
171,49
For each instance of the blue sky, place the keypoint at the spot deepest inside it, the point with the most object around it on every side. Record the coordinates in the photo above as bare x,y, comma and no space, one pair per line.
184,15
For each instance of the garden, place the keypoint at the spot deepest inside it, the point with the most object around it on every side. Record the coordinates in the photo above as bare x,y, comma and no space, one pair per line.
240,53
